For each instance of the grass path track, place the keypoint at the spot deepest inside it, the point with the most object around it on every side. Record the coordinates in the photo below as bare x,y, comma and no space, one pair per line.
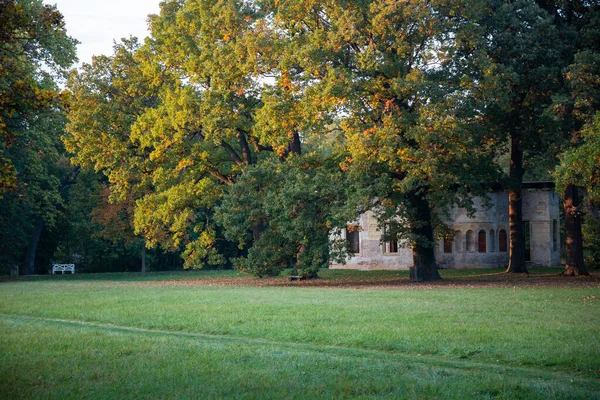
536,373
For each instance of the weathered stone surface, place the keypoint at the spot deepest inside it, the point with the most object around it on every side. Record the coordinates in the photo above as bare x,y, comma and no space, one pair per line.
540,209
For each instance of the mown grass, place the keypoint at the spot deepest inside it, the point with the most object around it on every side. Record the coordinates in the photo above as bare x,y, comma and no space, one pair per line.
87,336
324,274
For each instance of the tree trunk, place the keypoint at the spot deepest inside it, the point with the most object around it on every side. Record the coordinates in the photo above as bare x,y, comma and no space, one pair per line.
301,250
516,261
246,153
425,267
295,146
29,268
574,238
144,259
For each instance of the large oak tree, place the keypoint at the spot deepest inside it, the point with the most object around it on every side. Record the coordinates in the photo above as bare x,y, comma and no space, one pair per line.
391,76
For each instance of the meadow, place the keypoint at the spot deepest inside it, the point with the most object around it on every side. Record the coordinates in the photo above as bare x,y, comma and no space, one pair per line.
351,334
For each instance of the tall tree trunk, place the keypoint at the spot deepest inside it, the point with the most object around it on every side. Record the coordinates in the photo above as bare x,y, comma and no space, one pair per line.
516,261
29,268
425,267
144,259
574,238
295,146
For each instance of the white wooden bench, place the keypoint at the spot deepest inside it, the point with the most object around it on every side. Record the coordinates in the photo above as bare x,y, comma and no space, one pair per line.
62,268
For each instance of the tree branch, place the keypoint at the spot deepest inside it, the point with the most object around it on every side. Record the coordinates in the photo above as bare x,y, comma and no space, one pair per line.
222,178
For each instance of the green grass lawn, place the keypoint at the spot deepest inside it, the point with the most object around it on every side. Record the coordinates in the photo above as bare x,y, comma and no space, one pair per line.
215,334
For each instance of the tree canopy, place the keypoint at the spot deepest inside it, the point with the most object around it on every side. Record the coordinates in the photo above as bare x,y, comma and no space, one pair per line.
35,54
220,135
34,51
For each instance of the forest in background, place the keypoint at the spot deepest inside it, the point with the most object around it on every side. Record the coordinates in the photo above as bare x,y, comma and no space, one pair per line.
246,134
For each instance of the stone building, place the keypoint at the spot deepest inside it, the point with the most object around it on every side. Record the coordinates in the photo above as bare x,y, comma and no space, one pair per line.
480,240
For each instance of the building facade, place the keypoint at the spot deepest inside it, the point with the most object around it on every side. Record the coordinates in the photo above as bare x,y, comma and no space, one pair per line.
481,240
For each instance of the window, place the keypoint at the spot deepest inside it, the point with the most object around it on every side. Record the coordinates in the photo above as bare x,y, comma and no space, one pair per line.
482,242
492,241
447,245
391,245
502,241
353,239
471,241
554,235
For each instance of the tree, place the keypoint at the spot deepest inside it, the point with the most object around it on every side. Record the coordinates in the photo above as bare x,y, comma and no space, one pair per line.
580,166
172,121
34,50
44,176
96,234
35,53
386,72
523,54
116,219
107,97
298,208
576,108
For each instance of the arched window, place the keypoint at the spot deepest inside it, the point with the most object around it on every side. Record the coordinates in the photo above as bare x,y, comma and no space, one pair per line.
393,246
353,239
447,245
459,241
554,235
482,241
492,241
471,245
502,241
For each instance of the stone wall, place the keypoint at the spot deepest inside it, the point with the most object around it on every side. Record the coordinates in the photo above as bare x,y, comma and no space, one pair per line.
373,254
540,208
476,243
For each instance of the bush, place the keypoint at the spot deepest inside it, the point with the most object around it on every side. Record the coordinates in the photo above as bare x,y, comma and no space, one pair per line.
284,211
591,241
